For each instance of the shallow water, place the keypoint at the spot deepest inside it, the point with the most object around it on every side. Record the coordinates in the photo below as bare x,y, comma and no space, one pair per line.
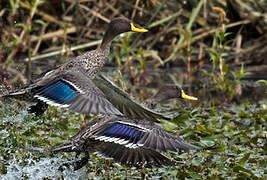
40,169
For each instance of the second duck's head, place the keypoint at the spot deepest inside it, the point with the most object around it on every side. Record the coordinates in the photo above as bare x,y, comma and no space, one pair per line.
117,26
169,91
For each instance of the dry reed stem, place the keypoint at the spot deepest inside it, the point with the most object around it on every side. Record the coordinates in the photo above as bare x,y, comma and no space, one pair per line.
59,33
135,8
201,36
94,13
23,33
39,41
86,45
46,16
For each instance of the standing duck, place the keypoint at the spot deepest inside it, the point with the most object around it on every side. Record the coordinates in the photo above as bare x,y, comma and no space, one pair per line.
129,141
70,85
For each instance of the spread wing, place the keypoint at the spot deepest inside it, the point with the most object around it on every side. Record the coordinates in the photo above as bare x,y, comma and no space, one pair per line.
128,142
122,101
137,134
76,91
128,133
85,141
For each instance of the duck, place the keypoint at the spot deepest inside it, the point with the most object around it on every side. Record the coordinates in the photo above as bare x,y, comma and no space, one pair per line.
134,142
70,85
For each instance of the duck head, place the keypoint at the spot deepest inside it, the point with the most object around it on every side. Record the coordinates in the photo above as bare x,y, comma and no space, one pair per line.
170,92
117,26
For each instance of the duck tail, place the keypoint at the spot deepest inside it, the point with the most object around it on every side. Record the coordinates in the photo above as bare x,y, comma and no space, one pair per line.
66,147
20,95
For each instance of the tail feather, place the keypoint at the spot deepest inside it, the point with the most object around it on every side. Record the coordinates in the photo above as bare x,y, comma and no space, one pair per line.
20,95
66,147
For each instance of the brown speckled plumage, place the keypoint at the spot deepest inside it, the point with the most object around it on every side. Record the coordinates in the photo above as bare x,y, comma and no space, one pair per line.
91,62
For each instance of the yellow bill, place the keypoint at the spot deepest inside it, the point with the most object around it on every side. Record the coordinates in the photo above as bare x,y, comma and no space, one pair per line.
184,96
135,29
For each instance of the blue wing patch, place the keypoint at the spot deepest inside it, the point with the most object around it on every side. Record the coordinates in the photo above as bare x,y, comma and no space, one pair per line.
59,92
122,131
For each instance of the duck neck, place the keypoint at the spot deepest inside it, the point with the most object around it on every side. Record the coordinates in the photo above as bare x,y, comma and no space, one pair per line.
165,93
157,99
152,102
108,37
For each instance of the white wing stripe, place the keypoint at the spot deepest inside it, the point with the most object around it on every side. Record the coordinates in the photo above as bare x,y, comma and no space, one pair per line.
50,102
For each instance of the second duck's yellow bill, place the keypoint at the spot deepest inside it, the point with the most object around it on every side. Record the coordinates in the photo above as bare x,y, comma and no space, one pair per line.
135,29
184,96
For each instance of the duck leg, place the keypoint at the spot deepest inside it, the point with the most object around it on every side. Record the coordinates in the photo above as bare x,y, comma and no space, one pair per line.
80,163
76,164
38,109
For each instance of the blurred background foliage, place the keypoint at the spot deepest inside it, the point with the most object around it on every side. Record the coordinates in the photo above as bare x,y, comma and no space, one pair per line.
215,49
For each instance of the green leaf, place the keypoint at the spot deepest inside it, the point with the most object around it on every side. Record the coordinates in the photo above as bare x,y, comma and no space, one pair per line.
225,68
40,21
21,25
208,142
263,81
169,126
238,168
244,159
